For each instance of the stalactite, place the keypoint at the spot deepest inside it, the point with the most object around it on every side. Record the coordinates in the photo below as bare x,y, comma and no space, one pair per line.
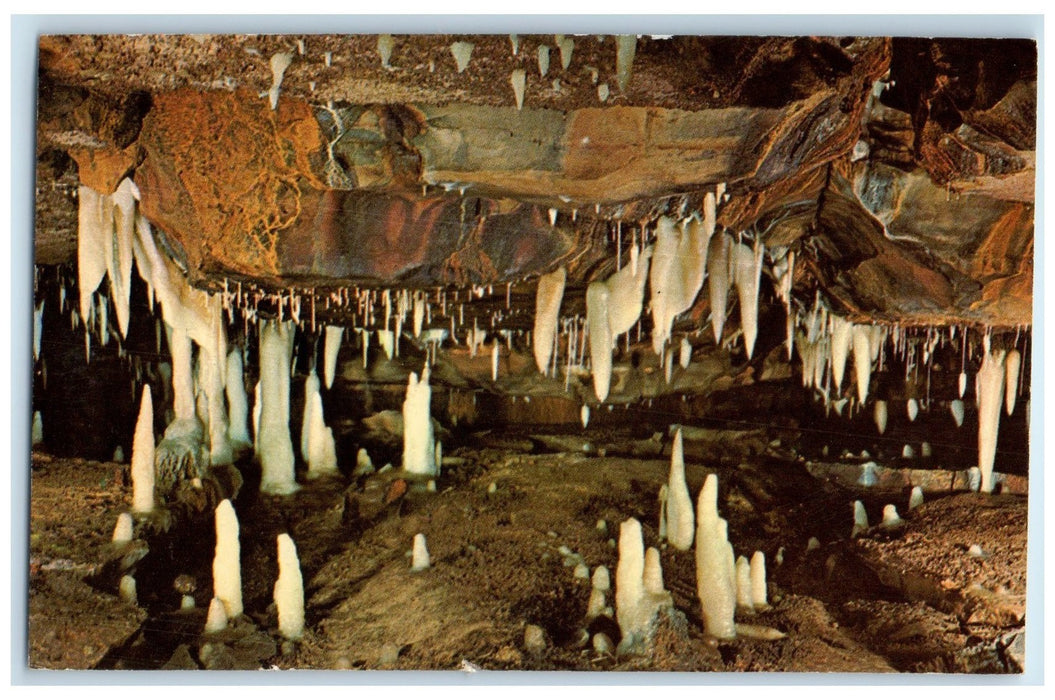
718,281
679,262
548,297
600,338
1014,365
95,226
956,408
331,349
841,331
275,445
880,415
237,404
746,265
990,389
862,338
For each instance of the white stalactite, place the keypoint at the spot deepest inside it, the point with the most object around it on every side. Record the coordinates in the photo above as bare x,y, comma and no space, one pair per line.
419,451
494,360
880,415
862,338
626,292
746,265
331,348
95,230
143,456
548,299
275,444
118,253
681,522
956,408
237,402
1014,364
912,409
226,564
718,281
841,332
679,263
289,590
990,385
600,338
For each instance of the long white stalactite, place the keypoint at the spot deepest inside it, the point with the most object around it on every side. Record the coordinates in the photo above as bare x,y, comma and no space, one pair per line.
679,263
989,385
548,297
331,347
275,447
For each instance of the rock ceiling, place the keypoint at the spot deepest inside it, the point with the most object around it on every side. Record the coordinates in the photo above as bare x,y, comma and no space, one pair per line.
901,171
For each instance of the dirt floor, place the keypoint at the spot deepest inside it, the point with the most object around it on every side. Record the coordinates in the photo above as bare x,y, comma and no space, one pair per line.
509,522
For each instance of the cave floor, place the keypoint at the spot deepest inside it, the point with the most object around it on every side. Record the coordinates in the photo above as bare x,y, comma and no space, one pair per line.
505,528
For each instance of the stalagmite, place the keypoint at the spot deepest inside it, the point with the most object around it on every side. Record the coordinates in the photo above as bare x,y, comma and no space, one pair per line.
880,415
419,451
890,516
956,408
685,353
331,348
679,261
584,415
746,268
38,326
744,603
37,431
226,564
237,402
925,450
860,519
322,452
123,530
680,518
143,456
311,387
862,336
216,618
639,593
126,590
257,407
275,443
420,554
915,499
912,409
990,386
652,576
387,341
494,360
759,592
715,567
289,590
1013,364
718,281
600,338
548,298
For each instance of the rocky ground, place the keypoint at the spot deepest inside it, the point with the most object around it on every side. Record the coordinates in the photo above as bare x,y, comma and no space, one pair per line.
511,518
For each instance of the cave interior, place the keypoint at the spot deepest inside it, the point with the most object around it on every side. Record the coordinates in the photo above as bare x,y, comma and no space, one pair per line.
449,329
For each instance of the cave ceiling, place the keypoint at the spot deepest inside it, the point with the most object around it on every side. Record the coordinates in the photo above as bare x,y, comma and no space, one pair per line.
901,171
